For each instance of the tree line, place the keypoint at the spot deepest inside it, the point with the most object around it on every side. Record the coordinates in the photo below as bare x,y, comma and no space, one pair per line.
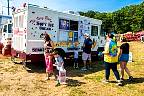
127,19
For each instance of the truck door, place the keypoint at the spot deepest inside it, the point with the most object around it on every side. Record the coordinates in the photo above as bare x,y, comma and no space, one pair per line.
102,39
95,36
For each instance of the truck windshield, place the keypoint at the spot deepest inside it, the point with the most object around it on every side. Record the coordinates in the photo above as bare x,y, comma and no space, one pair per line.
5,28
9,28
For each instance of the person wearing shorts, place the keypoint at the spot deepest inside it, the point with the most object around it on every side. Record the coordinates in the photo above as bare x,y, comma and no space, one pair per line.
123,58
86,55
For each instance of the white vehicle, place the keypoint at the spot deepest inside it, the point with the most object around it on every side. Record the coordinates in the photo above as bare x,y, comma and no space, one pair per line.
31,22
6,32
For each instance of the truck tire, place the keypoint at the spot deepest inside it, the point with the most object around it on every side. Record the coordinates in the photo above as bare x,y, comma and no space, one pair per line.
25,65
13,60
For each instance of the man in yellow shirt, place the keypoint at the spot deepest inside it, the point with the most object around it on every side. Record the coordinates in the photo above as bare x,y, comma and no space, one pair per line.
111,58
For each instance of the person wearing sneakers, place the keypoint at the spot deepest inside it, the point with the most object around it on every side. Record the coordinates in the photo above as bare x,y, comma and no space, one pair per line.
86,55
76,53
58,64
123,58
111,58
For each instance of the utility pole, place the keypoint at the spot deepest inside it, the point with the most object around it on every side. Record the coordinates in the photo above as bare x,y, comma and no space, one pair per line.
8,7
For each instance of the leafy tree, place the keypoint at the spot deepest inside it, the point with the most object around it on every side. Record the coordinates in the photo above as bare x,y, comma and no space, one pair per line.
129,18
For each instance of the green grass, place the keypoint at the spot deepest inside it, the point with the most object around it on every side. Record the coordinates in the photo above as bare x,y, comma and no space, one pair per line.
77,92
16,81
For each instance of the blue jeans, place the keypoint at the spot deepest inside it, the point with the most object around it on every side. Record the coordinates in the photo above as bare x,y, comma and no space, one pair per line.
112,66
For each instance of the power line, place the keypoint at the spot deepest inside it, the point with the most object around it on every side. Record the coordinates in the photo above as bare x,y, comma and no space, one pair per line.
8,7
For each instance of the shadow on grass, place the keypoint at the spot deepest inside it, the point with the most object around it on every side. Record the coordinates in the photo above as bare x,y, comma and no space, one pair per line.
17,62
74,83
39,67
71,72
32,67
135,81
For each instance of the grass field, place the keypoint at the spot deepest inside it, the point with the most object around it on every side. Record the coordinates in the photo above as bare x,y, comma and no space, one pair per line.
16,81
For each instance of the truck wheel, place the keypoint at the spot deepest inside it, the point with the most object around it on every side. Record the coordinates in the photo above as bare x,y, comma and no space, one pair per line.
25,65
13,59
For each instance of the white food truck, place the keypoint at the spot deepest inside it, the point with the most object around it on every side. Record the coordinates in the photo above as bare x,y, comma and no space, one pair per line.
30,23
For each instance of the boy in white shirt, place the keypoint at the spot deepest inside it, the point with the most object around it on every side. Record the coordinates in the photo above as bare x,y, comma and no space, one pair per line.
58,63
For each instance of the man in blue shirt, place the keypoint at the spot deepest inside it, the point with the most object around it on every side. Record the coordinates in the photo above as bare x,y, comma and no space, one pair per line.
86,55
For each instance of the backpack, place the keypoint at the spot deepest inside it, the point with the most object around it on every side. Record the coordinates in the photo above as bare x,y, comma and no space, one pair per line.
113,48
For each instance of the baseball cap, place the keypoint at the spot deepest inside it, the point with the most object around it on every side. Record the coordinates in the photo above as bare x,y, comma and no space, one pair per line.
86,34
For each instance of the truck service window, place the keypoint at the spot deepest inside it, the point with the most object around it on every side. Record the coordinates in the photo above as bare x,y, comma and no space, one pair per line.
74,25
94,30
5,28
64,24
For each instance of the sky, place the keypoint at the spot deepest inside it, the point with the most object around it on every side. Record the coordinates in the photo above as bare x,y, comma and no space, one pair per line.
74,5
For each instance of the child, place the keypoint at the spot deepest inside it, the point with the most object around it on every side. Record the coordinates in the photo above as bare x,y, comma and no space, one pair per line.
76,55
76,58
59,63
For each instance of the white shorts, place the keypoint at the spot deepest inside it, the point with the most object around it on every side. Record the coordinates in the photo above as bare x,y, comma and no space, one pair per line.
86,56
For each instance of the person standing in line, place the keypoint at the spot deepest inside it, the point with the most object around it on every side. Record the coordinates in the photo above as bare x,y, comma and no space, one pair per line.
48,48
111,59
123,58
76,58
76,55
86,55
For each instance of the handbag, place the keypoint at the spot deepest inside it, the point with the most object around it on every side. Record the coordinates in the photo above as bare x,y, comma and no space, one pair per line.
62,75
